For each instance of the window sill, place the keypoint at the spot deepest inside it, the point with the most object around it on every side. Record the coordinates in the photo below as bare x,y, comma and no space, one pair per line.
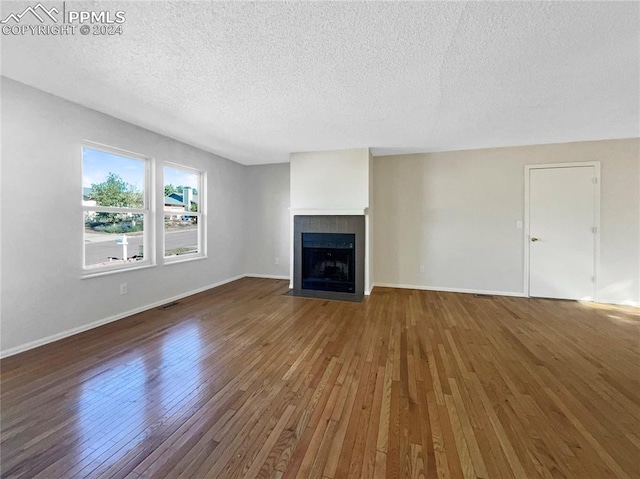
184,259
97,274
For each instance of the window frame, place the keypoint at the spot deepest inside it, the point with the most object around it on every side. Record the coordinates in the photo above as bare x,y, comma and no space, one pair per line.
148,212
200,215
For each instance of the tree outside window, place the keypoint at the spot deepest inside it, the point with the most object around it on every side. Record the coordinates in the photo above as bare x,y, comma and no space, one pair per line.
116,209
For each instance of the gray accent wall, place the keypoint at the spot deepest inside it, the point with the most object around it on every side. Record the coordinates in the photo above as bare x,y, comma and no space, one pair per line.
267,235
43,293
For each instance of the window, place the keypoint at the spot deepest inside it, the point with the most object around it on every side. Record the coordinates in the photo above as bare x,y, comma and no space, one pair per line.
184,228
115,201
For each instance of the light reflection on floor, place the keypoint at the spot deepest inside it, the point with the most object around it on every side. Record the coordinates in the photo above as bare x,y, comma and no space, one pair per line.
617,313
111,410
618,309
120,405
181,367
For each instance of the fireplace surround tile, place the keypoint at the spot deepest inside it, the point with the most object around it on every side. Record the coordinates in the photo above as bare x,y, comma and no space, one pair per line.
352,224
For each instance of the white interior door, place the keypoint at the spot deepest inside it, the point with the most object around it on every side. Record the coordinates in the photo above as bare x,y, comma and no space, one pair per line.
562,228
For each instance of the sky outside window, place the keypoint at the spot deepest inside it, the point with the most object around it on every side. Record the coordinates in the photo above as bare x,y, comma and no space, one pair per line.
98,164
175,177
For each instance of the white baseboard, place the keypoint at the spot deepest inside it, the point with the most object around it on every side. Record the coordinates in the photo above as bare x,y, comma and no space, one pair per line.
451,290
110,319
266,276
482,291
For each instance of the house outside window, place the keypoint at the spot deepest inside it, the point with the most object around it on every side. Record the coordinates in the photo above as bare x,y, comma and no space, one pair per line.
184,224
116,209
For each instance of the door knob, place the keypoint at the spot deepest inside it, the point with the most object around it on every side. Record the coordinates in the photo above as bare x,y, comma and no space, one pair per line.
534,240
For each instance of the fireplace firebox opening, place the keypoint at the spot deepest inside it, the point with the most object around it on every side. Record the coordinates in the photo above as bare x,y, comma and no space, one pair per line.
328,262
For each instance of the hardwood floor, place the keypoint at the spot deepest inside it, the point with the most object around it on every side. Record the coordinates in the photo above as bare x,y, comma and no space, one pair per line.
242,381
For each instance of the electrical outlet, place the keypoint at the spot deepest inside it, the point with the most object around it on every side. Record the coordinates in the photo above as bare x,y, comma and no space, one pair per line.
123,288
277,260
421,269
519,224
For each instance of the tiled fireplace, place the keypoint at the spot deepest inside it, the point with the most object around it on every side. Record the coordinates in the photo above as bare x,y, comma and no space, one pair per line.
329,256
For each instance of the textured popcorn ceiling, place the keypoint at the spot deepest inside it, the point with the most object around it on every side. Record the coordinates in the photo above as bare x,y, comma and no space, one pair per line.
255,81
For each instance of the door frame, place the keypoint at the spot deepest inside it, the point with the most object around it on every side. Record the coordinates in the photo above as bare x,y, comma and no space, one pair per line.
596,219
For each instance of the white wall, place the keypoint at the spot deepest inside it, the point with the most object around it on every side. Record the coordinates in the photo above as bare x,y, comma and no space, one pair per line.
43,294
456,212
328,180
267,235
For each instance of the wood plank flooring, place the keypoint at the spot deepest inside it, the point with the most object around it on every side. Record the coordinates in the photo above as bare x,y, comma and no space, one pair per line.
242,381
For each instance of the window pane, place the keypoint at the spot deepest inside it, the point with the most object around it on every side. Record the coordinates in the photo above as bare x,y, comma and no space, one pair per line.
180,234
112,180
113,238
181,190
